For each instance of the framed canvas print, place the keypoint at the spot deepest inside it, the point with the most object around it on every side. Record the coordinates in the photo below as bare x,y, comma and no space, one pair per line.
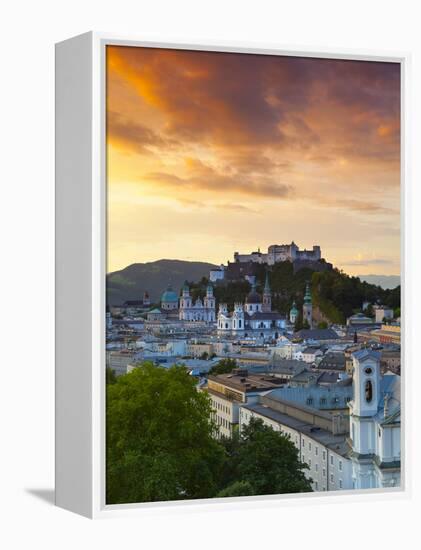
230,276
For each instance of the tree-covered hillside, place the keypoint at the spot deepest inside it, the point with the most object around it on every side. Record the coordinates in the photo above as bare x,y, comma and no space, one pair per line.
336,294
131,282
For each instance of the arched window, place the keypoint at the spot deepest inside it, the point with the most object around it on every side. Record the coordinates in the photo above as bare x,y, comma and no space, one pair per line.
368,391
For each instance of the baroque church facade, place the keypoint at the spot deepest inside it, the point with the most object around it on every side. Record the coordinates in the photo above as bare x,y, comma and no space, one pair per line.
184,308
200,310
253,318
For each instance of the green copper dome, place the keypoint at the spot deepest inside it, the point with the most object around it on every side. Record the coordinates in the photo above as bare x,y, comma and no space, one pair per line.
169,295
185,287
294,309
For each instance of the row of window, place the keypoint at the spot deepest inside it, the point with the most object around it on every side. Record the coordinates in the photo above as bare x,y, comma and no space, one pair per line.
316,452
333,400
223,422
221,407
316,485
308,444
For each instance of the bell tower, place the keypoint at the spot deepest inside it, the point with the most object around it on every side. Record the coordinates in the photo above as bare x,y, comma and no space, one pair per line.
363,410
267,296
185,302
293,313
308,307
238,318
209,303
366,381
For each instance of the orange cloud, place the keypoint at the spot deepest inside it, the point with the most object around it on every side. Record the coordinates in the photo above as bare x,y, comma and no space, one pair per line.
249,131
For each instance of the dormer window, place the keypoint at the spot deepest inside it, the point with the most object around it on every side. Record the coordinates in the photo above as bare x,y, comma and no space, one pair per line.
368,391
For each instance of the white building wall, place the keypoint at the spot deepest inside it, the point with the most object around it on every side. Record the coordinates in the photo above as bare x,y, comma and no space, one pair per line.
328,470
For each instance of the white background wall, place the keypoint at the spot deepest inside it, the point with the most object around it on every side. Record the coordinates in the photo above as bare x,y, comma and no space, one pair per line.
28,32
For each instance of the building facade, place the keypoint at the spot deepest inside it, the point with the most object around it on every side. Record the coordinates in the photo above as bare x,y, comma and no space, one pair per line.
280,253
375,436
198,310
319,436
229,391
253,318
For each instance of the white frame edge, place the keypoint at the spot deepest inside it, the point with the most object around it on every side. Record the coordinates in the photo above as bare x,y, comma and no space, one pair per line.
81,270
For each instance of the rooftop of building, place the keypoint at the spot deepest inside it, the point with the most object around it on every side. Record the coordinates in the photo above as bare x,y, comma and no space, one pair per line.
366,353
320,435
317,334
260,315
321,397
311,350
332,360
245,381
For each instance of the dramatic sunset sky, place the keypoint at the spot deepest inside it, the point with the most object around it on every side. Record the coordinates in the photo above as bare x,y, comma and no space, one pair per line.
211,153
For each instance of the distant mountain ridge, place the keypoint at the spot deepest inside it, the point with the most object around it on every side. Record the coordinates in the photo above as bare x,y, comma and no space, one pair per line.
131,282
385,281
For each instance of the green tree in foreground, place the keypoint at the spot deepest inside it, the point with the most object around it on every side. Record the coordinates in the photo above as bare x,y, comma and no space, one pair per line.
237,489
110,377
267,461
160,443
224,366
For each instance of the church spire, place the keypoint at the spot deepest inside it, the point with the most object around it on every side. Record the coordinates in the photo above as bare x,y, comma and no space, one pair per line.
267,287
308,307
267,297
307,295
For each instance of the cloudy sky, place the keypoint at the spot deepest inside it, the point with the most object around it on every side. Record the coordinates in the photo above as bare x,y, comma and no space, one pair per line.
211,153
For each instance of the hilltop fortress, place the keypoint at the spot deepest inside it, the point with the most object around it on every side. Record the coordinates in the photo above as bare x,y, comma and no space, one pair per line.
280,253
244,265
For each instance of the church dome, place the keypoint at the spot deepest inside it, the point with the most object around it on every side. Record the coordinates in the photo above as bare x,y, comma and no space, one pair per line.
169,295
253,297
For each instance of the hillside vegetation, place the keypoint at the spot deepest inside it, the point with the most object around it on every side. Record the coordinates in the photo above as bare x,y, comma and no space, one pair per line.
336,294
131,282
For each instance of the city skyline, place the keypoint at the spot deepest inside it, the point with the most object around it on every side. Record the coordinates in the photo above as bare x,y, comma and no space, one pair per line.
210,153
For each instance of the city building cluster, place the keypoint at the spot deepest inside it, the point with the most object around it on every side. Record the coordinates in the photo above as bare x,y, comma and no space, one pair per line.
334,391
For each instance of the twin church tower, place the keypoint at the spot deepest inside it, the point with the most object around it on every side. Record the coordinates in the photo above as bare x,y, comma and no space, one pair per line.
205,310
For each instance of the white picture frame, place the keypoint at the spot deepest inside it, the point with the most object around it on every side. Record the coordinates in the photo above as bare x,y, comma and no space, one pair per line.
81,276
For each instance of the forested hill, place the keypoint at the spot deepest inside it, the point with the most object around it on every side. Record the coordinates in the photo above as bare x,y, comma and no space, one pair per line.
131,282
335,294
